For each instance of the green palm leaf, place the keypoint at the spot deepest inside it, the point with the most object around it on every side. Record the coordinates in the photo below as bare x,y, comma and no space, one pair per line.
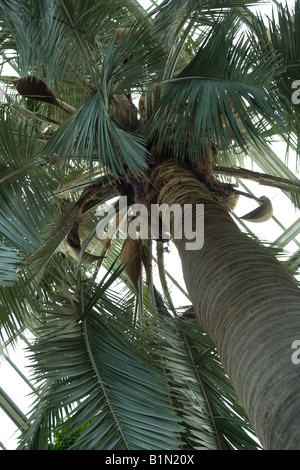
55,38
211,98
200,389
281,36
90,133
9,262
105,127
172,16
108,382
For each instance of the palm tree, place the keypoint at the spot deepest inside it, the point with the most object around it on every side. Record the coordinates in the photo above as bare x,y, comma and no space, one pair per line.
110,100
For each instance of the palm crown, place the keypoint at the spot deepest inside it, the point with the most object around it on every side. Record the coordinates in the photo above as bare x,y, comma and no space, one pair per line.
105,93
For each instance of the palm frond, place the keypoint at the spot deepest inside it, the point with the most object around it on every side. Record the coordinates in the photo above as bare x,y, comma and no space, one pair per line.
211,415
280,35
18,141
108,383
136,61
19,306
172,16
25,212
51,48
211,98
23,220
10,260
104,128
27,204
89,133
53,39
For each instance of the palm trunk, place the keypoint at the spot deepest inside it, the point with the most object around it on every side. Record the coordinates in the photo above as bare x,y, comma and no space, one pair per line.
250,307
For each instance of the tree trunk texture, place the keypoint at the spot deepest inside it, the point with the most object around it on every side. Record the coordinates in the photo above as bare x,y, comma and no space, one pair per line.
248,304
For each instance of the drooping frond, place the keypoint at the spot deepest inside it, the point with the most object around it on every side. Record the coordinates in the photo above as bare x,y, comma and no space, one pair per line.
199,388
108,384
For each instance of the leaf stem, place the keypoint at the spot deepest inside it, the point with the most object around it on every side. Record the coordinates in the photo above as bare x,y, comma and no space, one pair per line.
261,178
98,377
